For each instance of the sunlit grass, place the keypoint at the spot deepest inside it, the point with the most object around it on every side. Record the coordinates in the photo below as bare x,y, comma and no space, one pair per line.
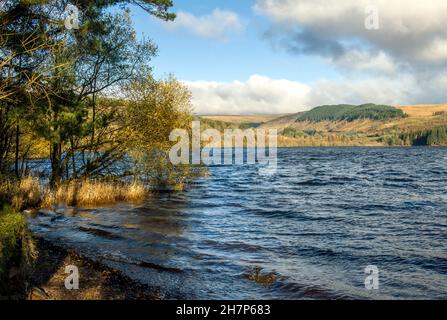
87,192
29,192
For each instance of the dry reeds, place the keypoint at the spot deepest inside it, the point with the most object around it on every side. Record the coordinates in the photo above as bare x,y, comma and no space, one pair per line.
87,192
21,194
30,193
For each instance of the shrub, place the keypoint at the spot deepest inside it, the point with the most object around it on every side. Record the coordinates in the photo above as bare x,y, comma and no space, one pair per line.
153,111
17,249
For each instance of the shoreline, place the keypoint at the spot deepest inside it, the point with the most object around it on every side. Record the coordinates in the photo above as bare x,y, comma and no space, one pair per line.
96,280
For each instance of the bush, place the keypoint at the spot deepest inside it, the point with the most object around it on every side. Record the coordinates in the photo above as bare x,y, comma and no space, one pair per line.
153,111
17,249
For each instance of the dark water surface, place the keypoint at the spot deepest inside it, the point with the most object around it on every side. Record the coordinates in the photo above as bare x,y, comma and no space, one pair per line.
307,232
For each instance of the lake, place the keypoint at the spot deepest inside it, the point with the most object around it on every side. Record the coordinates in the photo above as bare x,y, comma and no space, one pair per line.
307,232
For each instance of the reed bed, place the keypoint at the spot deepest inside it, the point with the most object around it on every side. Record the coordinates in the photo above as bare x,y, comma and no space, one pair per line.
29,192
88,192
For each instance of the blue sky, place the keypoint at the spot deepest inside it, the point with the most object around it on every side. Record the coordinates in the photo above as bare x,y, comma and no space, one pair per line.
191,57
282,56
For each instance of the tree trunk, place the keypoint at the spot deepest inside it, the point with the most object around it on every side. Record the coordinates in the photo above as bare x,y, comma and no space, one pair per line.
90,151
16,162
56,165
73,159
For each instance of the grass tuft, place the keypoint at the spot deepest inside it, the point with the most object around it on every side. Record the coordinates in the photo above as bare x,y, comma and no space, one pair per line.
87,192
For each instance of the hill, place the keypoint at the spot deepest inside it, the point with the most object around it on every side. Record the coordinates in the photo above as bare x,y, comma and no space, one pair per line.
422,111
347,112
403,126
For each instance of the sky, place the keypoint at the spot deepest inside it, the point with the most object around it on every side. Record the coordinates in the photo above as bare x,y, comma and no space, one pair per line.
284,56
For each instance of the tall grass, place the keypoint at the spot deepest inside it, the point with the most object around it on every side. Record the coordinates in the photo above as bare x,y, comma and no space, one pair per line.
30,193
22,193
87,192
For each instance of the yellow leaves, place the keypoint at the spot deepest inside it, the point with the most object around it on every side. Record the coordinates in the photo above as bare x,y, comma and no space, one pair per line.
156,108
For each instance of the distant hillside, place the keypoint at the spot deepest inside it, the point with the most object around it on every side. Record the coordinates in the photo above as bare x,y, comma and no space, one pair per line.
424,110
237,121
347,112
221,125
403,126
243,118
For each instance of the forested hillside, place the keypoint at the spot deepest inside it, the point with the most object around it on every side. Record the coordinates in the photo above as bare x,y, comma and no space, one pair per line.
347,112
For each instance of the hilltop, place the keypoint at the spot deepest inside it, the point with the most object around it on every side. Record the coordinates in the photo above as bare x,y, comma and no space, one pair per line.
348,112
348,125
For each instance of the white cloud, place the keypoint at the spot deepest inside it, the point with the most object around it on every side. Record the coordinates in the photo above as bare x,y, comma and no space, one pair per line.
436,51
257,95
404,62
380,90
365,61
411,31
263,95
219,24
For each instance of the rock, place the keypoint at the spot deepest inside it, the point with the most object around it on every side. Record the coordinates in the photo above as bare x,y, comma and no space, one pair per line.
256,275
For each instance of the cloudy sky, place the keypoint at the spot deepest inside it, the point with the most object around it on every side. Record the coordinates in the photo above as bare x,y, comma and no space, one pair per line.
281,56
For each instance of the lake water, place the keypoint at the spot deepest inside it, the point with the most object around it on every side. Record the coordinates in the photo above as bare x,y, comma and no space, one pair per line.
307,232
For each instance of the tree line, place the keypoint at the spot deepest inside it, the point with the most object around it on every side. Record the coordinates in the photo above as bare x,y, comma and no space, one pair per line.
432,137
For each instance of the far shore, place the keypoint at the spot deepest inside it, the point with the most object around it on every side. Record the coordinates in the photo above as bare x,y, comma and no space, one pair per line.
295,131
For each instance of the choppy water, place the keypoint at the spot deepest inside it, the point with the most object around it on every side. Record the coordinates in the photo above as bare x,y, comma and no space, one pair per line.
309,231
